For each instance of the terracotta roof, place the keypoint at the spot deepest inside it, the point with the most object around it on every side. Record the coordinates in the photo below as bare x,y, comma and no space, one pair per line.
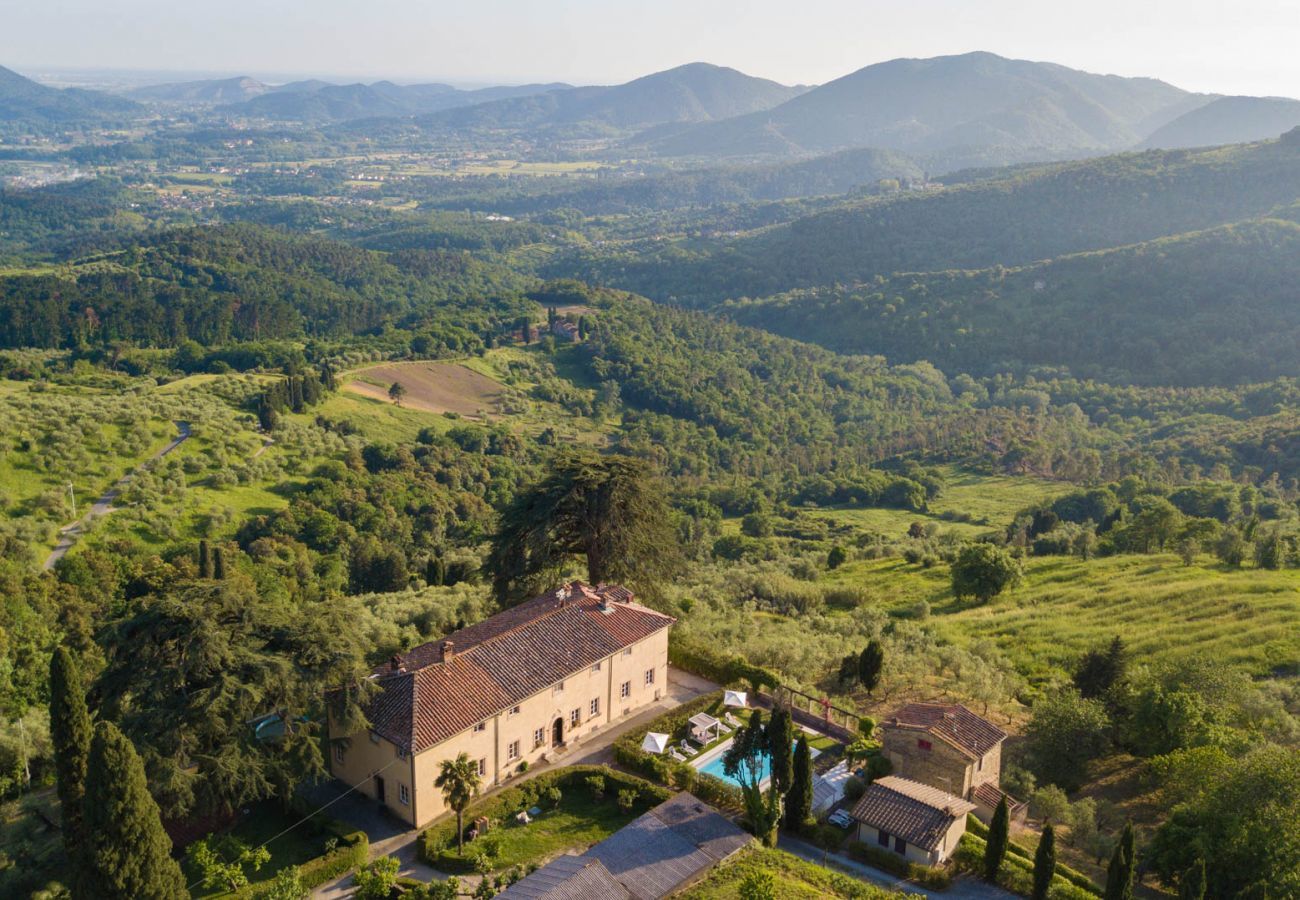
917,813
989,794
439,689
953,723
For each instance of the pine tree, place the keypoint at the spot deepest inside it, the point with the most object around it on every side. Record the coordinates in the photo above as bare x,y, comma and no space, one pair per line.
1119,875
1044,863
996,847
780,741
798,802
70,733
129,853
205,560
870,664
1192,885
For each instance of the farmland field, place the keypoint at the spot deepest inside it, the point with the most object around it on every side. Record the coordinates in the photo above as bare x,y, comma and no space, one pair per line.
435,387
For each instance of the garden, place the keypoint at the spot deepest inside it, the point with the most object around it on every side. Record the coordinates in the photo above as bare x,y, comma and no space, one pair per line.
568,809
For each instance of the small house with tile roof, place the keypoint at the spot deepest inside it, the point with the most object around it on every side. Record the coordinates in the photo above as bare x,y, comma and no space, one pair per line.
947,746
914,820
510,691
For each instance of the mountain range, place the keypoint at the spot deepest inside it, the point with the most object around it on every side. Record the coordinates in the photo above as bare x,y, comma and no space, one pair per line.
1228,120
24,101
696,92
318,101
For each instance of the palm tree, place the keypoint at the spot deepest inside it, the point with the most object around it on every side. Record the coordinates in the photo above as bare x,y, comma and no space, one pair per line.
458,779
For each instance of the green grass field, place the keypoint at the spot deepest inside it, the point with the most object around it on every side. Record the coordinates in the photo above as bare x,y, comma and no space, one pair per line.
1248,618
793,878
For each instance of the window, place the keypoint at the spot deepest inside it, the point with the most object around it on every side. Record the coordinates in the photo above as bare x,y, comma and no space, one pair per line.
482,767
900,845
882,837
924,744
575,717
596,667
625,690
539,737
559,687
649,676
594,708
512,751
979,764
338,753
404,794
514,711
481,726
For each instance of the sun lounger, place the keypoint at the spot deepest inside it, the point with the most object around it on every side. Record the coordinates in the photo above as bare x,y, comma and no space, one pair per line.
677,756
688,749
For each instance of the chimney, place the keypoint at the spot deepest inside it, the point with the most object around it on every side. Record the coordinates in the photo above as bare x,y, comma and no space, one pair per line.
396,662
448,651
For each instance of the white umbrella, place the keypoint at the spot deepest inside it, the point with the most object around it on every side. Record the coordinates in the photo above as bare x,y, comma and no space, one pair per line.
654,742
735,698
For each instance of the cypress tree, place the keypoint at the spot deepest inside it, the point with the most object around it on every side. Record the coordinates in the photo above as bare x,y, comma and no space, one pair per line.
870,663
996,848
205,560
798,802
780,737
1044,863
130,854
70,733
218,564
1119,875
1192,885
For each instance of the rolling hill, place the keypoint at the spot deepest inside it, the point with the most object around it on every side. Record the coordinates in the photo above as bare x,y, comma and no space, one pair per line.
973,109
697,92
213,91
1229,120
319,101
23,101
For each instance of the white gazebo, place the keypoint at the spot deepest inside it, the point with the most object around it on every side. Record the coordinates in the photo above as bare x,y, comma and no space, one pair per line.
704,728
654,742
735,698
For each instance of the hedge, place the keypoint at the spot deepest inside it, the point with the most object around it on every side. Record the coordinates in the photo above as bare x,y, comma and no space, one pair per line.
1075,877
722,668
928,876
351,852
1017,873
436,844
666,770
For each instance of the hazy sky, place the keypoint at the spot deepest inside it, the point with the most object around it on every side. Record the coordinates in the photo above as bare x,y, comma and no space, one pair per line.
1242,46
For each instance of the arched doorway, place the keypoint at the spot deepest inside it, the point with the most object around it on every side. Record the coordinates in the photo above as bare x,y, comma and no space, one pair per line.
557,732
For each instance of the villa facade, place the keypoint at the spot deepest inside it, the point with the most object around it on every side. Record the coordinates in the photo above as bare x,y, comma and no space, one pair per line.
510,691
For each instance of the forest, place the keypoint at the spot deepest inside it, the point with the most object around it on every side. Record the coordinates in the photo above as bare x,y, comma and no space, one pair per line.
1029,433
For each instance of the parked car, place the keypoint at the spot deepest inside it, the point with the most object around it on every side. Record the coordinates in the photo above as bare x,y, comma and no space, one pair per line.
841,818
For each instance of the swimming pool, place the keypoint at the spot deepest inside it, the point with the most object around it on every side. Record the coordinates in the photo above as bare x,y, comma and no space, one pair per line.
711,764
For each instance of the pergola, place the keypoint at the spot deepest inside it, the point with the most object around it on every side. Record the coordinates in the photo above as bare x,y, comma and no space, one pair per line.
704,728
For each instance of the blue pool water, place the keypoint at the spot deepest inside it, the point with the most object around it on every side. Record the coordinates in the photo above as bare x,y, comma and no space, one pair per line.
714,767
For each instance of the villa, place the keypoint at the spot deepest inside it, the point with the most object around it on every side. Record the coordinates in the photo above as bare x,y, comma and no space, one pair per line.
948,747
510,691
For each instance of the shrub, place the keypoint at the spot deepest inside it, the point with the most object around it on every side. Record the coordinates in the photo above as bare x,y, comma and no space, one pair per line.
627,799
596,784
926,876
1017,872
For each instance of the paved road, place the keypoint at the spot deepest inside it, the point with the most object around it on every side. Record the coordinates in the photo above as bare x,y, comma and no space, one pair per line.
962,888
390,837
71,533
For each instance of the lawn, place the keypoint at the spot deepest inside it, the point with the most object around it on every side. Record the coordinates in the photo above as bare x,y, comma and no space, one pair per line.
794,879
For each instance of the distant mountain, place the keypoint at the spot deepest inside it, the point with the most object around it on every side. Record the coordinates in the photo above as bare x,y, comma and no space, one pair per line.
24,101
697,92
319,101
974,109
1228,120
211,91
